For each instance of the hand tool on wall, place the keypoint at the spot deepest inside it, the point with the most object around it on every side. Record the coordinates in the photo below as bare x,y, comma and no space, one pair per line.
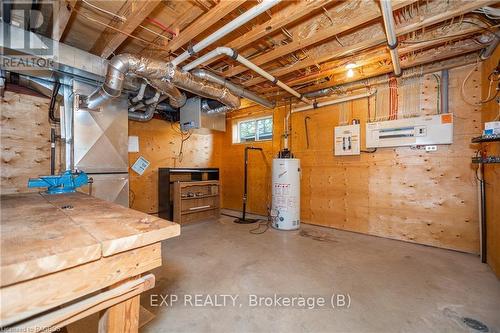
307,131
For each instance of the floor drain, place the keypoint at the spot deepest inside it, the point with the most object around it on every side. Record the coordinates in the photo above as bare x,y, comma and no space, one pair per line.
475,324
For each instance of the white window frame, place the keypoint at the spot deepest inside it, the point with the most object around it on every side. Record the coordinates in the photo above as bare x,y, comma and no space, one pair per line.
236,129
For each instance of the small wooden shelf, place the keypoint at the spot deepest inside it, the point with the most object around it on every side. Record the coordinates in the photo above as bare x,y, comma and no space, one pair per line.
199,197
203,202
486,138
486,160
198,210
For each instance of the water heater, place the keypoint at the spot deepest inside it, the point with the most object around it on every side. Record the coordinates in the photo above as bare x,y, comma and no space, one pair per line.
286,193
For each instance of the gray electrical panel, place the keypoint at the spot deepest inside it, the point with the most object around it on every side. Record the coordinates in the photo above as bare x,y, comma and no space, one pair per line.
192,116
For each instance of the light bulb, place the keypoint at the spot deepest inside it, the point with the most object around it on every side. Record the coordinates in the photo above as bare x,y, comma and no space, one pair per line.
350,72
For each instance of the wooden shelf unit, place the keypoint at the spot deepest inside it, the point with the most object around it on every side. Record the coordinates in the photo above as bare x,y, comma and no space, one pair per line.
166,179
196,201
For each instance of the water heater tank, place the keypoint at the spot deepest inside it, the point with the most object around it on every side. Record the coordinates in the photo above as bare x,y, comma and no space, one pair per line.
286,193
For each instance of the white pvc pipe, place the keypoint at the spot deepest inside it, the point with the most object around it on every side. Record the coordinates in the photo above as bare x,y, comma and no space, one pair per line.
140,95
153,99
332,102
247,63
390,32
231,26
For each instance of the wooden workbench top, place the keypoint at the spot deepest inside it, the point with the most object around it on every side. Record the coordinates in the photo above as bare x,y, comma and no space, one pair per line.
42,234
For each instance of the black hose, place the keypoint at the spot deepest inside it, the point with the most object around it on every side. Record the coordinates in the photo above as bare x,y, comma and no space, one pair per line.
484,235
52,105
52,151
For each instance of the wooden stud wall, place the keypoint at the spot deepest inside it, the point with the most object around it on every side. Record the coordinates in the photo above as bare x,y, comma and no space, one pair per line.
159,143
492,173
400,193
25,140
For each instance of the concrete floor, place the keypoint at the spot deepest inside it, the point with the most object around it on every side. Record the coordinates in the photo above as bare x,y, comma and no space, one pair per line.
393,286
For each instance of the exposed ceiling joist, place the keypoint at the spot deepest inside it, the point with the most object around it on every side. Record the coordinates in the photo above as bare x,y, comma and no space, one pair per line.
293,12
348,18
62,14
204,22
435,40
135,12
378,38
432,55
431,67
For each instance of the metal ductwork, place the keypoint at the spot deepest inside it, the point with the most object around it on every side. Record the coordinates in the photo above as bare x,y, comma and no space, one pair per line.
238,90
163,76
319,93
210,107
143,116
488,51
390,32
222,50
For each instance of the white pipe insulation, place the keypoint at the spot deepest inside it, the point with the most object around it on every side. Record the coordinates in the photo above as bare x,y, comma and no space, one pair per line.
390,32
231,26
332,102
247,63
140,94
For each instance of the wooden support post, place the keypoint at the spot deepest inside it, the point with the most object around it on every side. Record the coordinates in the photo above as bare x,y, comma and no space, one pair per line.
121,318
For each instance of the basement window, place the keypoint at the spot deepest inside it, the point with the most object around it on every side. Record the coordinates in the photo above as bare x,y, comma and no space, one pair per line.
251,130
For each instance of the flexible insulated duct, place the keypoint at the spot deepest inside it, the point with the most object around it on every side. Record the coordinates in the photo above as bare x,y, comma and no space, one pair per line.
163,76
238,90
211,107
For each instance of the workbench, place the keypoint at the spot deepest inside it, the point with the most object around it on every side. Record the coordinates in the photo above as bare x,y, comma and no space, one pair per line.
67,256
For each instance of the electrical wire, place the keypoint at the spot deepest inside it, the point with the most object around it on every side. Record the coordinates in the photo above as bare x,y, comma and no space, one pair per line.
109,26
184,137
488,99
438,93
121,18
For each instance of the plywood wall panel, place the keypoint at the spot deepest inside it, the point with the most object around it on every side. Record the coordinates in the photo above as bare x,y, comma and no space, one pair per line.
25,141
159,143
491,111
400,193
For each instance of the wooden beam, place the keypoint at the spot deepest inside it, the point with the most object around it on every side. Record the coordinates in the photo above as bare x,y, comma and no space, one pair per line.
371,57
377,37
425,57
204,22
61,16
135,11
61,317
70,284
347,18
293,12
431,67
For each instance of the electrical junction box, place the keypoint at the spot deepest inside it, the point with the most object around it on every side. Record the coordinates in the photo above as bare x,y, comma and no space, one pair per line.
416,131
193,117
347,140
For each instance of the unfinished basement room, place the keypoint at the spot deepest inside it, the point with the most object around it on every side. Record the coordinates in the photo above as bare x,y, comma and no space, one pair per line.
250,166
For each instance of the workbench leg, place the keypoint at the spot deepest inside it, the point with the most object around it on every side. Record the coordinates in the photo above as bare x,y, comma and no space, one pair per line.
121,318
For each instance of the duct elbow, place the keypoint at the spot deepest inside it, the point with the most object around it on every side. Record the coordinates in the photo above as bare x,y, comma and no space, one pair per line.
144,116
488,51
112,87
